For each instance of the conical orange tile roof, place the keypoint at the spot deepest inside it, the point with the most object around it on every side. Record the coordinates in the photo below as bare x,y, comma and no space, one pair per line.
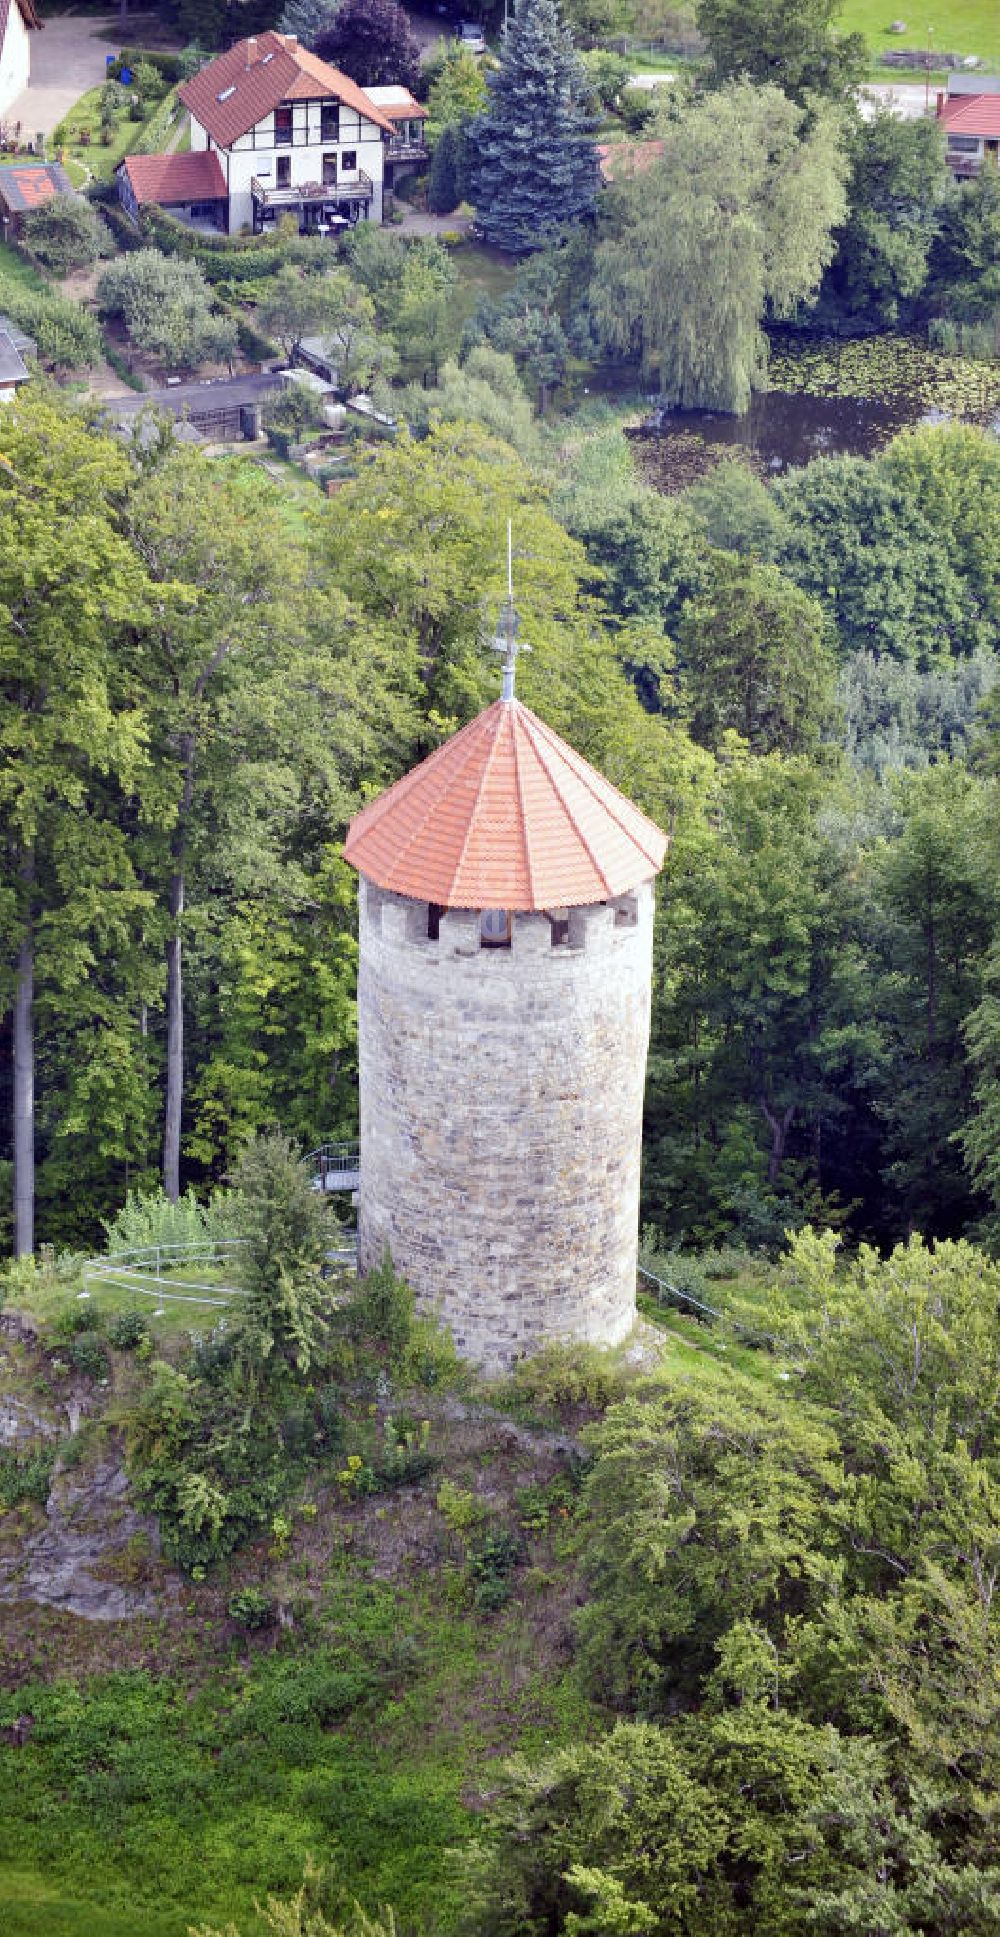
505,815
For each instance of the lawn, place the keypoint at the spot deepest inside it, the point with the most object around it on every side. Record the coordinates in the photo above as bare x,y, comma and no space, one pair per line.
84,117
956,27
481,272
15,268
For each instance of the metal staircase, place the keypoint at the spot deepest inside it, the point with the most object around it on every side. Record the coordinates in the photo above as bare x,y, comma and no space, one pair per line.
335,1166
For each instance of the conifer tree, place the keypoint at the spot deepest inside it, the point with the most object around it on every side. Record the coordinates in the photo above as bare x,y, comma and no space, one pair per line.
535,163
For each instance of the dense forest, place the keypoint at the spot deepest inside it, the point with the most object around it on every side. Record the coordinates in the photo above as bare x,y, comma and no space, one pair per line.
306,1630
200,685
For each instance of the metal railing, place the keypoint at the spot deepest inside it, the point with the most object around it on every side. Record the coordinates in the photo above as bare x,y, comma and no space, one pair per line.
152,1271
666,1294
293,194
335,1166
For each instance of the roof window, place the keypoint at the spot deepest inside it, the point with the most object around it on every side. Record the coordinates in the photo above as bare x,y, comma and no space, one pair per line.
267,57
227,94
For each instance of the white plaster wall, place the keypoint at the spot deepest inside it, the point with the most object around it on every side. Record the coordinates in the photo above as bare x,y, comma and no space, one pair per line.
15,58
501,1118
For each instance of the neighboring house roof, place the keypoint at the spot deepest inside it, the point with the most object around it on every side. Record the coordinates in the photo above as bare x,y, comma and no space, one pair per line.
164,179
505,815
618,160
397,103
24,344
972,114
26,185
12,366
26,11
241,87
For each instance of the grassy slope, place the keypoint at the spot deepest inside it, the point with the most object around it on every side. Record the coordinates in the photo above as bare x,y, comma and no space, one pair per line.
178,1768
959,27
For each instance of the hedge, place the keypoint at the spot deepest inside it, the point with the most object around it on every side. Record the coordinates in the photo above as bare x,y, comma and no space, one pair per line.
67,336
173,67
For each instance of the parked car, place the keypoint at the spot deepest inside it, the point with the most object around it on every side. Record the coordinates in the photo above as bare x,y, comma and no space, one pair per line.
472,37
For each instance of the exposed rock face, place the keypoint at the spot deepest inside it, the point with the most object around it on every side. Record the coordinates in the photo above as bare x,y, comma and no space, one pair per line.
501,1116
89,1524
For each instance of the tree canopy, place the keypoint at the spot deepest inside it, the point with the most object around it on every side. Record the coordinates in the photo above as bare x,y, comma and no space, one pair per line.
731,223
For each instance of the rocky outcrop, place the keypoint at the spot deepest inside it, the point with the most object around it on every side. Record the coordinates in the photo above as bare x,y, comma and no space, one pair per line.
90,1526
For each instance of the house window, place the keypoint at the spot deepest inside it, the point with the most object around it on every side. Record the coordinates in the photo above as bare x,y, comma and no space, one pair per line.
282,127
349,160
329,121
283,171
494,928
329,170
963,144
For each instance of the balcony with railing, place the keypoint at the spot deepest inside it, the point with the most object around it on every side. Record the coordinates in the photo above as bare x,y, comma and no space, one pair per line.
305,194
405,147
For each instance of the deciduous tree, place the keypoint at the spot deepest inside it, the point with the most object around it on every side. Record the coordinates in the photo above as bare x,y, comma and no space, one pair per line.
733,222
373,42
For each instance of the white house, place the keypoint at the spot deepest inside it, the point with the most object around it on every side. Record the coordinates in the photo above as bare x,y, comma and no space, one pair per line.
292,135
17,21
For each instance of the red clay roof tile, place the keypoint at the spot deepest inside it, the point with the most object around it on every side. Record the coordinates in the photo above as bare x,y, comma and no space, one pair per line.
256,76
167,179
972,114
505,815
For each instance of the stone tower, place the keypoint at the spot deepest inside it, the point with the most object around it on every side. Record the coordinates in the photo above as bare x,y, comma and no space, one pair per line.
506,925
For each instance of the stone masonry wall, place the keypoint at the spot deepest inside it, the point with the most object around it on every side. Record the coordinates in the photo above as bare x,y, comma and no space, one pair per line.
501,1117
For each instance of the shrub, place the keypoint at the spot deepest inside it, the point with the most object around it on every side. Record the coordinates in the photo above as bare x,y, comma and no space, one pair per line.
88,1356
76,1319
25,1476
637,109
406,1454
67,336
491,1564
127,1330
252,1608
166,308
569,1375
381,1310
150,1217
64,233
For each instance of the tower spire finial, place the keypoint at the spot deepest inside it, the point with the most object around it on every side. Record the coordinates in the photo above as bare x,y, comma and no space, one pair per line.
508,624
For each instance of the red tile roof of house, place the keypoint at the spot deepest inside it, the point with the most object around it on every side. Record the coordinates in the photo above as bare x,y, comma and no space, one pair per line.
619,160
972,114
169,179
505,815
256,76
26,185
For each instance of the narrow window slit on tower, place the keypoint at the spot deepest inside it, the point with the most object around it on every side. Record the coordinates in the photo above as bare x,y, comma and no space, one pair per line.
559,926
435,910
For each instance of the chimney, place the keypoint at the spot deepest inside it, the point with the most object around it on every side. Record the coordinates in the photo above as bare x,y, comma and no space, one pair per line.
940,102
251,50
291,42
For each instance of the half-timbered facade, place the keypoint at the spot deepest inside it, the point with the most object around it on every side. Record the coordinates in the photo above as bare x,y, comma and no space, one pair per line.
294,136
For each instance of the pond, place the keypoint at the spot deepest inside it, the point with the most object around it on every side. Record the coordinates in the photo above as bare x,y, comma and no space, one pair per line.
827,399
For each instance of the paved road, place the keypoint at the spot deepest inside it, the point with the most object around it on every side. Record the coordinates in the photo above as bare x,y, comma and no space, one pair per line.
907,99
68,57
